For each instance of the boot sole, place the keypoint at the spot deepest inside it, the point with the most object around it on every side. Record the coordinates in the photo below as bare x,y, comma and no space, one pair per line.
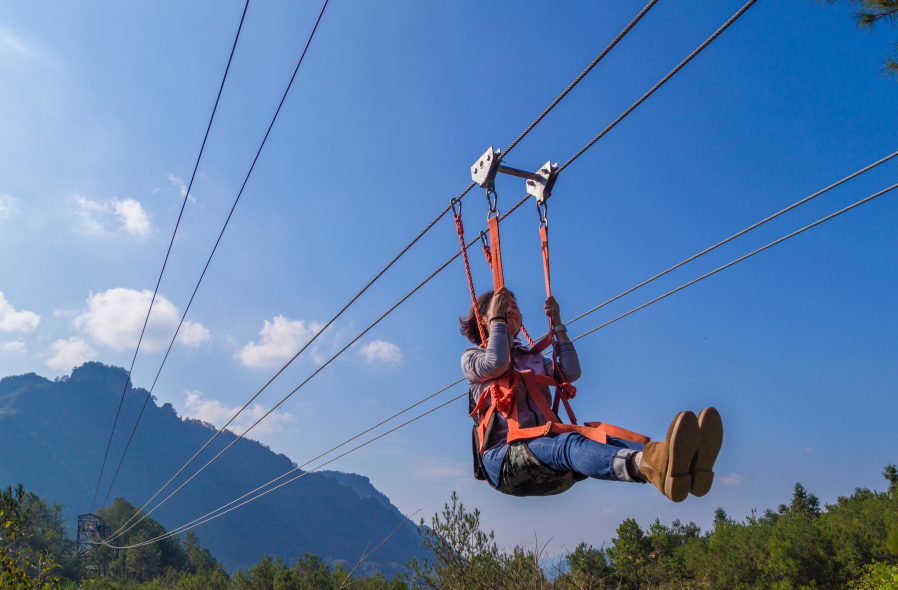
710,440
683,443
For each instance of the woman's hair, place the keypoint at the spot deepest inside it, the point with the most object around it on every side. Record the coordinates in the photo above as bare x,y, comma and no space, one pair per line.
468,324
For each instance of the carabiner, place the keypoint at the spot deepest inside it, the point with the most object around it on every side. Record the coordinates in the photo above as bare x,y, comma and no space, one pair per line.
452,204
485,239
493,203
543,210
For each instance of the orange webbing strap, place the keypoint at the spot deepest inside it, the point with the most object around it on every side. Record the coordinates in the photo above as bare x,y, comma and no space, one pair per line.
501,397
549,339
496,264
464,252
544,239
618,432
597,431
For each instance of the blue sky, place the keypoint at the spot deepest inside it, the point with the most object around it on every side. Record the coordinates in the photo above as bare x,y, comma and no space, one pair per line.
104,107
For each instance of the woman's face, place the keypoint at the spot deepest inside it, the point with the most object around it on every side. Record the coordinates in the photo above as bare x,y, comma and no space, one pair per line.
512,318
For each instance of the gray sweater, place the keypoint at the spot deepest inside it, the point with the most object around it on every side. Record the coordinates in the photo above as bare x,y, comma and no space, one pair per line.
480,366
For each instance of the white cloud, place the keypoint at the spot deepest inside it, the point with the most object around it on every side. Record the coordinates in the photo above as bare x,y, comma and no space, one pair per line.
16,321
281,339
115,318
68,354
178,183
732,480
609,510
385,352
214,412
98,217
15,346
8,206
134,219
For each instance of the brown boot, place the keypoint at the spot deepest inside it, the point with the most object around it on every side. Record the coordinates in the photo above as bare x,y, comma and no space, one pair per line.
666,464
710,440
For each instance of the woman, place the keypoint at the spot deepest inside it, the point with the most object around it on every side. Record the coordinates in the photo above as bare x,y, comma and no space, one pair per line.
681,464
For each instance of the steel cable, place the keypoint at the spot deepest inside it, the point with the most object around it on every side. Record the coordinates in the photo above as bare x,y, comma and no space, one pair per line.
690,283
734,236
749,255
576,81
191,525
209,516
230,213
661,83
164,263
318,370
379,424
529,128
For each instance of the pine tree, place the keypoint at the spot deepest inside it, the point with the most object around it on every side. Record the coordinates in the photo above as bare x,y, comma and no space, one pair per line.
870,13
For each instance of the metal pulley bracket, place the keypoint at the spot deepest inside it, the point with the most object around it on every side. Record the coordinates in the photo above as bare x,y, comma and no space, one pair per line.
541,186
484,170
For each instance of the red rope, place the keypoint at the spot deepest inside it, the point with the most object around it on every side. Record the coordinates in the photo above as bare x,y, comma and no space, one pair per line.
527,336
464,252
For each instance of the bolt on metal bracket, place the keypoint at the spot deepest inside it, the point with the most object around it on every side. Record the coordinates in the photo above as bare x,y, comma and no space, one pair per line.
541,186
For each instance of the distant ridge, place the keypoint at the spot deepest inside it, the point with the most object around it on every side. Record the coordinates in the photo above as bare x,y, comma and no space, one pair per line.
53,435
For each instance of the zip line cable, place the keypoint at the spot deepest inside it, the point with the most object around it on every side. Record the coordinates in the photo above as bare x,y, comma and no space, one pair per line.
207,518
590,144
734,236
318,370
165,262
186,527
576,81
217,241
381,423
749,255
661,83
529,128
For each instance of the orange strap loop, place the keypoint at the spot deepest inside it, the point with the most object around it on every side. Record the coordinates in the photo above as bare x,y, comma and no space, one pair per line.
496,262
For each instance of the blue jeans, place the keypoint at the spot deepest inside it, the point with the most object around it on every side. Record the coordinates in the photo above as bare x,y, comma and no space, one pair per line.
572,452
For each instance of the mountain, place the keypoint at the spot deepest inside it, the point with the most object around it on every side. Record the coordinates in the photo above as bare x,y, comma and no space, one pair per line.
362,486
53,435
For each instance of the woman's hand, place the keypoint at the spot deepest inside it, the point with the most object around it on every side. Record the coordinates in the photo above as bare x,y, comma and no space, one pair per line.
553,311
499,304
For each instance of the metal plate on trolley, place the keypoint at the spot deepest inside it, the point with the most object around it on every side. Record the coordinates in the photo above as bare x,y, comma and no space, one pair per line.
483,172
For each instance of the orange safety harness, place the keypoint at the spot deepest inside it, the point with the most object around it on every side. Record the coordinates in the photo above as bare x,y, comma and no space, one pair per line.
502,391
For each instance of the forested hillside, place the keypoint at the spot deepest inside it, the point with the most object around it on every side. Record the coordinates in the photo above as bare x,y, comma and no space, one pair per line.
54,434
851,544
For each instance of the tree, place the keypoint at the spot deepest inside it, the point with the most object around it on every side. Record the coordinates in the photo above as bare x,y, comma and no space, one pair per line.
588,567
804,502
629,553
463,555
20,567
870,13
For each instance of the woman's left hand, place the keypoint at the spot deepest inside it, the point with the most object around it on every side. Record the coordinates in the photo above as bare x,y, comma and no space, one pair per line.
553,311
